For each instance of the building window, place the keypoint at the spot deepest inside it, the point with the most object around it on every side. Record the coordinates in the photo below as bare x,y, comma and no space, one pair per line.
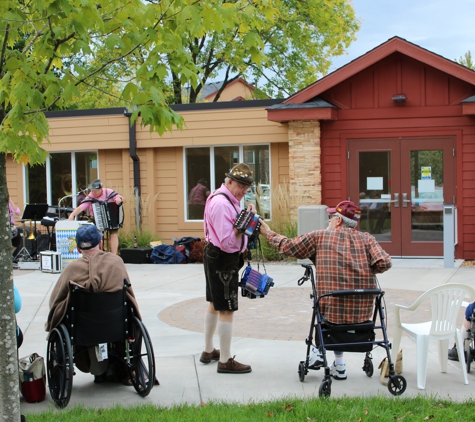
205,171
54,182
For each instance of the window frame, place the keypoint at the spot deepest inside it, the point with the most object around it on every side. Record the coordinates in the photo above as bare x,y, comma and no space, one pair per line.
212,179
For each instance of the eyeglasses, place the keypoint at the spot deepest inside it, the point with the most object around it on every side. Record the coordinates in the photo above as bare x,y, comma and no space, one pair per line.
331,216
242,187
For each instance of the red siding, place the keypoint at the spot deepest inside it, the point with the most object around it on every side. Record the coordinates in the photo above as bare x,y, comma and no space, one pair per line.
432,108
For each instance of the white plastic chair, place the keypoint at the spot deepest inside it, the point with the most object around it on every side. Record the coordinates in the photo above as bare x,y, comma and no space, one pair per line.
446,301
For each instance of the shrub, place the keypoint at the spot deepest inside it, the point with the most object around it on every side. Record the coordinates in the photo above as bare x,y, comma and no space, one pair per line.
144,237
281,222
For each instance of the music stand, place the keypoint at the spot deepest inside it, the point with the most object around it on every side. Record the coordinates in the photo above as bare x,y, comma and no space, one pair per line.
31,212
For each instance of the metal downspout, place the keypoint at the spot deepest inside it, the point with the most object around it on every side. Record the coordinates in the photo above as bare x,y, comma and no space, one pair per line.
136,163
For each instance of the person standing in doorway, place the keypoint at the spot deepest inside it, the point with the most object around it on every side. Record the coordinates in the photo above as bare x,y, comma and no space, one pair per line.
197,200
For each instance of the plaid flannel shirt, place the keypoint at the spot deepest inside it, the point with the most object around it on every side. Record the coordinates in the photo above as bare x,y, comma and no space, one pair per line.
344,258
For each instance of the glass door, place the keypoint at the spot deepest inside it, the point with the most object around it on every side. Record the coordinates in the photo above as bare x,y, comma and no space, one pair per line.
427,182
376,163
401,186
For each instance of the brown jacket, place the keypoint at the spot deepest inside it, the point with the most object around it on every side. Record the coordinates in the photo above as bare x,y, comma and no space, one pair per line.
101,272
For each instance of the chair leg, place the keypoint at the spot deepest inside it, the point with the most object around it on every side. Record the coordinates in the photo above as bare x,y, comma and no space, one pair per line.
443,354
422,347
396,343
460,349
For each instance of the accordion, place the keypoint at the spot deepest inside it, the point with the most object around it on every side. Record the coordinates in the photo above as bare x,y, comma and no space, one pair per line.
248,223
108,215
253,283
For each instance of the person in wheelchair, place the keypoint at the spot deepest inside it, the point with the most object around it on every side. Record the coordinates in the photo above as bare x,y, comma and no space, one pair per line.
344,258
453,353
97,271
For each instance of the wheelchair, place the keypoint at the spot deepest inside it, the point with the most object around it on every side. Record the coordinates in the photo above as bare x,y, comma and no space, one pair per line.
96,319
347,337
469,342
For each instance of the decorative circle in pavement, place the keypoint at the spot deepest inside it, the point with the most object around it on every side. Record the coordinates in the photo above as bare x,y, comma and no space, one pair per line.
284,314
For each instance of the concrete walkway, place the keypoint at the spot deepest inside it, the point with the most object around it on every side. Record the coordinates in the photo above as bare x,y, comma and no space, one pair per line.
268,334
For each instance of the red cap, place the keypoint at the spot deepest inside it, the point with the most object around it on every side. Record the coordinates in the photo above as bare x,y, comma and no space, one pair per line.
347,209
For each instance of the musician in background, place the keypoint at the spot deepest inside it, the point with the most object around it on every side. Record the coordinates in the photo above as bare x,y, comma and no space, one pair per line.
223,258
16,232
100,194
13,210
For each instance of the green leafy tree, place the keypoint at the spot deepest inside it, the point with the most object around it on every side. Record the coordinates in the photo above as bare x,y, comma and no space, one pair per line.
466,60
296,48
53,51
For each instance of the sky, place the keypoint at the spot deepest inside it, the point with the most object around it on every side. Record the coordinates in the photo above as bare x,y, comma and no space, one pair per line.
444,27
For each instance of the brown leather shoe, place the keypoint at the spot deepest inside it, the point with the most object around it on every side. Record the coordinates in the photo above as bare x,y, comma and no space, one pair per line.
208,357
233,367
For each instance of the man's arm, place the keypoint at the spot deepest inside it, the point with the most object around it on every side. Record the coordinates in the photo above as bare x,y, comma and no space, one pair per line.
380,261
299,247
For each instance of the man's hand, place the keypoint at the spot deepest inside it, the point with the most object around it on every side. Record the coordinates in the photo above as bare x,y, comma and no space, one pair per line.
264,228
252,207
118,200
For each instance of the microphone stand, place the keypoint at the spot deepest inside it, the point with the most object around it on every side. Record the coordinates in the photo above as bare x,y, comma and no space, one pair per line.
59,204
68,196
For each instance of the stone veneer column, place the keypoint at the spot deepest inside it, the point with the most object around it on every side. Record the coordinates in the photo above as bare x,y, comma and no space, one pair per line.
304,164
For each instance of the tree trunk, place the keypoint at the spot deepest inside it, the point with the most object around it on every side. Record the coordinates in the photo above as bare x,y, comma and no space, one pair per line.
9,380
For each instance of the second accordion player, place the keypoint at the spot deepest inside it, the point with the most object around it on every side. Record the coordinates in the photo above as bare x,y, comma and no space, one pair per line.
248,223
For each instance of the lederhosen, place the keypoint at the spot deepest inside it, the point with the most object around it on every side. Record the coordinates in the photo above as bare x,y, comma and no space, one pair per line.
222,272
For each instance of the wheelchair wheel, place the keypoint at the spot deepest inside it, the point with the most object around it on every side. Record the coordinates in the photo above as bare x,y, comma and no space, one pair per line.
397,385
142,359
468,354
368,366
302,371
325,389
59,364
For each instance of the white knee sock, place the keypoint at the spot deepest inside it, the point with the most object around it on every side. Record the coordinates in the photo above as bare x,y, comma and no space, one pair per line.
339,359
210,327
225,334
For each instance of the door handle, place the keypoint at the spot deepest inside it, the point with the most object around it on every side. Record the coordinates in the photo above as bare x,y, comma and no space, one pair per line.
395,201
405,200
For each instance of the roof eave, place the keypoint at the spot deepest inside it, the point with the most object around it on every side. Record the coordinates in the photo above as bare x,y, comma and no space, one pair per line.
301,114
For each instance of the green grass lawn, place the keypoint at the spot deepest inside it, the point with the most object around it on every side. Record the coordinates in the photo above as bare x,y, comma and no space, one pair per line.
379,408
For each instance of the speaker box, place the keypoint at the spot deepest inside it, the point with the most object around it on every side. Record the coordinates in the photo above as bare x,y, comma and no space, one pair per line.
136,255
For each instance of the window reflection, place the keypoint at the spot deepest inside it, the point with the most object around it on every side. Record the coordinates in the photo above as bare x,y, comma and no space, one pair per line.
375,194
202,163
427,195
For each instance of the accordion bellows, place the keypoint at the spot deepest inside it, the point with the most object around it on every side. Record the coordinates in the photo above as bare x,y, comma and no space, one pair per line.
255,282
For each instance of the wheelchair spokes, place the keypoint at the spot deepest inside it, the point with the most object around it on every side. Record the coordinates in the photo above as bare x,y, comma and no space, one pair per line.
60,366
142,359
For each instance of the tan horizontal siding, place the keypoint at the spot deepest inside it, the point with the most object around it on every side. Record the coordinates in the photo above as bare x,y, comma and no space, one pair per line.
219,127
88,133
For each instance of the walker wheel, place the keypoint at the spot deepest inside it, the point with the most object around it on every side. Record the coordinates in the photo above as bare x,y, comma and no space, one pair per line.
325,389
302,371
368,367
397,385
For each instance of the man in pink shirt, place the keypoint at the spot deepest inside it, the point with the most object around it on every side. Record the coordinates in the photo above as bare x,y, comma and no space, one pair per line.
100,194
223,258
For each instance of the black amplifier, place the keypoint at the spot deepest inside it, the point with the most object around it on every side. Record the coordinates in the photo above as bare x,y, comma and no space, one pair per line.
136,255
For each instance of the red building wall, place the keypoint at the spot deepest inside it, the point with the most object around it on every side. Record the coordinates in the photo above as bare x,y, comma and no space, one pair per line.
432,108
